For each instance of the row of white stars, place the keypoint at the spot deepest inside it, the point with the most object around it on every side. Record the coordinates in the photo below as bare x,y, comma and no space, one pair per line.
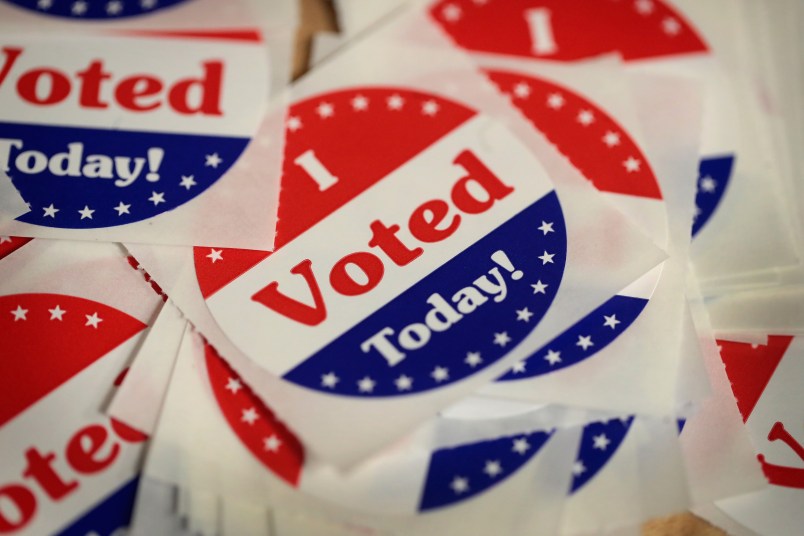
57,313
250,416
360,103
493,468
585,117
584,341
113,7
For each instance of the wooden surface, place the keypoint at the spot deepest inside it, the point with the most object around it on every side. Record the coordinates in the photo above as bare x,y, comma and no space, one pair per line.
319,16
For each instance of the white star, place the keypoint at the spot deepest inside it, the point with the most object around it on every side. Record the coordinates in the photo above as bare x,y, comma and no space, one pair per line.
19,313
404,383
50,211
473,359
233,385
4,239
492,468
584,341
114,7
148,4
611,138
555,101
708,184
519,367
86,212
293,123
546,258
325,110
122,208
696,212
553,357
56,313
501,339
249,416
521,445
93,320
546,227
215,255
601,442
44,4
539,287
524,314
187,181
79,8
213,160
586,117
578,468
395,102
157,198
451,13
644,7
522,90
440,374
430,108
459,484
610,321
632,164
271,443
366,385
329,380
671,26
360,103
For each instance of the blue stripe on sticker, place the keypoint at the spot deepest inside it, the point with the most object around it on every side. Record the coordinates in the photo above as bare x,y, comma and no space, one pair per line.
713,179
461,318
583,340
79,178
108,516
96,10
599,442
459,473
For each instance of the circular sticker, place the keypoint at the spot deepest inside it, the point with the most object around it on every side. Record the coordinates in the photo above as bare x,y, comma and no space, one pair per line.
101,133
608,157
568,30
42,368
413,252
435,479
97,10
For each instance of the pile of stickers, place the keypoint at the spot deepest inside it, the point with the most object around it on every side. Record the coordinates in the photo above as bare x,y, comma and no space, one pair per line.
490,267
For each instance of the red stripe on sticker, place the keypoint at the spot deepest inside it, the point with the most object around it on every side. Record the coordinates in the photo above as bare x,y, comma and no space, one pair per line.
591,139
254,36
46,339
750,368
255,425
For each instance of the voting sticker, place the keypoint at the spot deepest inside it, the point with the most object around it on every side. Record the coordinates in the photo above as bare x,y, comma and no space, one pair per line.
104,134
96,10
433,479
407,269
58,449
